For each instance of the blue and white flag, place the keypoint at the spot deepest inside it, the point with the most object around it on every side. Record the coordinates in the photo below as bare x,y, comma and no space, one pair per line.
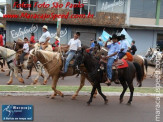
128,37
105,36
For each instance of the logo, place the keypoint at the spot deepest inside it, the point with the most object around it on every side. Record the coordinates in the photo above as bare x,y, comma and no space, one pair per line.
17,112
22,32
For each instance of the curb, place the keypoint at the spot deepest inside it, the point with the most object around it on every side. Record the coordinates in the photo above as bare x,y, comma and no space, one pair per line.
69,93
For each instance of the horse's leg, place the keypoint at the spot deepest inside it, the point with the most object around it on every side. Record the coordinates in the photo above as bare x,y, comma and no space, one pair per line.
2,67
8,73
131,87
95,94
16,76
124,85
100,92
92,93
36,79
82,82
29,75
11,78
45,78
54,84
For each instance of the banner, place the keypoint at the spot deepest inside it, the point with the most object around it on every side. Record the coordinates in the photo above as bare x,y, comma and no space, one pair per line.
105,36
128,38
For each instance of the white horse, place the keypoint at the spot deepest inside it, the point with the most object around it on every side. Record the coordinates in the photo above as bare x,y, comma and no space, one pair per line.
158,59
10,57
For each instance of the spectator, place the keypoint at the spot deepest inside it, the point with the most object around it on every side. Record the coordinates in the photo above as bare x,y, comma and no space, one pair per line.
133,48
32,40
1,39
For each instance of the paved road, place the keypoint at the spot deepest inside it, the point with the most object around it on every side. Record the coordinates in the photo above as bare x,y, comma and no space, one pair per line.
70,81
67,110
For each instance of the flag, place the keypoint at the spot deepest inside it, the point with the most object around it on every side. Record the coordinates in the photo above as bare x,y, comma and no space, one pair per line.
128,37
105,36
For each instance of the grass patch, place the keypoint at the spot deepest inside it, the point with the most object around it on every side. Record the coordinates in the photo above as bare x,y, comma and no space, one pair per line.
72,88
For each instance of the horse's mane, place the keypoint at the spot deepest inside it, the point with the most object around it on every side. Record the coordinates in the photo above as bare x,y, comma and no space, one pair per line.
48,55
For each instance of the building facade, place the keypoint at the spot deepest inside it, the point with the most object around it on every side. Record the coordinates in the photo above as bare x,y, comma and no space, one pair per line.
141,18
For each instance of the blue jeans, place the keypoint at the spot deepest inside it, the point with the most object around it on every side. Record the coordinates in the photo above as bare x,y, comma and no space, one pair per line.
68,59
109,67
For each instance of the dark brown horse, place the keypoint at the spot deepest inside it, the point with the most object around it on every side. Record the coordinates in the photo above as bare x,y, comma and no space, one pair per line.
125,75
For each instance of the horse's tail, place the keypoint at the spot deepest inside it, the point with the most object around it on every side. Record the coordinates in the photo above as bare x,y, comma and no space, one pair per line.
139,74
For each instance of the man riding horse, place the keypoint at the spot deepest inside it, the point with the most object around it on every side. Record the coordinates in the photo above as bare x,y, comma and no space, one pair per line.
111,57
44,40
73,45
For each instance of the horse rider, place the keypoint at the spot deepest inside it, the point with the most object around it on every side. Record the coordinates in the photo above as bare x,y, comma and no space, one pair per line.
100,42
111,57
25,50
44,40
123,47
74,44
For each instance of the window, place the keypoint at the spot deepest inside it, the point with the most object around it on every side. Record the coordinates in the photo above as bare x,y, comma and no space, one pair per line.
25,2
160,41
89,7
143,8
2,10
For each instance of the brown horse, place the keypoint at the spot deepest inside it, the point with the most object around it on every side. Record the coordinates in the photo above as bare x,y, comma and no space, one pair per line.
53,63
136,58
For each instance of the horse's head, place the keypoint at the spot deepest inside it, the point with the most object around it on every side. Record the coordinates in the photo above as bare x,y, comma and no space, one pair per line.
156,56
18,45
149,52
32,59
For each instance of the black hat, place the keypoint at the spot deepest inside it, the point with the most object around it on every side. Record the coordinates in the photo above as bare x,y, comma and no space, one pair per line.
114,36
123,36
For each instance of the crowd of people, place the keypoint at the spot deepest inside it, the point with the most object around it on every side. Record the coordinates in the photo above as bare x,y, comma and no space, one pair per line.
116,44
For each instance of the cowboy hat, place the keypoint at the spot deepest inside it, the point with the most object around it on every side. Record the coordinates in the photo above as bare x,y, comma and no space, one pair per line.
57,38
45,27
114,36
123,36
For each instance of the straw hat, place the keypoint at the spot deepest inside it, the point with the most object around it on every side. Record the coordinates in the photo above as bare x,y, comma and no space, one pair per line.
57,38
45,27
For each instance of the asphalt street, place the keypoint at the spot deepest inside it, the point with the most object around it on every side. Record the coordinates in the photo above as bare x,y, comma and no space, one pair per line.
68,81
67,110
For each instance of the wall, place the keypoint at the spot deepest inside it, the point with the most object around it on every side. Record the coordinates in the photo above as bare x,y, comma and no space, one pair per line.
144,39
105,19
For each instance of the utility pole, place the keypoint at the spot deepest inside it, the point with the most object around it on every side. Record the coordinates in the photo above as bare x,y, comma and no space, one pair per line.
158,12
59,22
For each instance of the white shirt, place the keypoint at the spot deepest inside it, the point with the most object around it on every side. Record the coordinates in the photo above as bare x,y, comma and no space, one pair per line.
26,47
44,36
74,44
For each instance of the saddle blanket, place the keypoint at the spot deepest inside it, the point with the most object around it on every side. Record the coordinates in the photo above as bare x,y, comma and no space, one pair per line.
124,65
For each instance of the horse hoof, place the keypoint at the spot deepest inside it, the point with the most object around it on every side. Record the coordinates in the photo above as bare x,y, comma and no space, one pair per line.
121,100
73,97
9,83
52,97
62,95
88,103
106,101
129,103
43,83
